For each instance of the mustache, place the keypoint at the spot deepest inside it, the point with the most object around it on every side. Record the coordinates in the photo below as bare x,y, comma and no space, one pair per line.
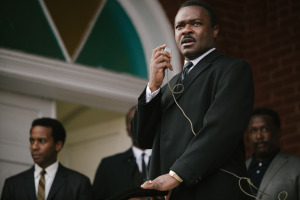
187,38
258,143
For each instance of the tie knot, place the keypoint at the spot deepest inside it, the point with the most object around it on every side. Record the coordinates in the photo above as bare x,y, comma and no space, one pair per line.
185,71
43,172
188,65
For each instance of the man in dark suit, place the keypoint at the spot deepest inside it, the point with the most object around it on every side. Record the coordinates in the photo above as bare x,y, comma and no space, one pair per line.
273,172
122,171
196,131
47,137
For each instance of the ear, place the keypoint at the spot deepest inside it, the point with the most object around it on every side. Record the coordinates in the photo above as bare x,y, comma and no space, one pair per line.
58,146
216,31
128,132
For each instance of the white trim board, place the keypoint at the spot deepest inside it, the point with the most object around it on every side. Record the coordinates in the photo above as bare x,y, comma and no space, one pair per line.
53,79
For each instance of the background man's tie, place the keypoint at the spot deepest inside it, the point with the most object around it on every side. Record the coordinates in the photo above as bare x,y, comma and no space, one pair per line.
41,186
144,168
185,70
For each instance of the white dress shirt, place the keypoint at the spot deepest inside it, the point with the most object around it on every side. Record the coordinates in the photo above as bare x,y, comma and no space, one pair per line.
138,156
49,176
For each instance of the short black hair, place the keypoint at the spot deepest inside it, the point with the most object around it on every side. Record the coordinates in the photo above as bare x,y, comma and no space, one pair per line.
269,112
208,7
58,131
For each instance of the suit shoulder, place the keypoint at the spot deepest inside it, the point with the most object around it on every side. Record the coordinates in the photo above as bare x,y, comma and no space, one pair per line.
20,175
248,161
228,60
290,162
75,173
293,159
229,66
118,157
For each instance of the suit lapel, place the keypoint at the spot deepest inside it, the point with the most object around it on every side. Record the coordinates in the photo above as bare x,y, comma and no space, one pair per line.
59,179
248,162
167,98
30,187
134,170
279,160
201,66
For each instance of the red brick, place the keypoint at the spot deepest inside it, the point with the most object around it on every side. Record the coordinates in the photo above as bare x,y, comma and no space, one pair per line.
285,109
271,85
275,103
290,140
263,95
261,78
294,98
275,35
279,51
294,118
281,73
298,88
289,129
292,149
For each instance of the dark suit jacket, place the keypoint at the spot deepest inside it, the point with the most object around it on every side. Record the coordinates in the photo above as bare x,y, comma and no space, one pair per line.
218,98
116,174
67,184
283,174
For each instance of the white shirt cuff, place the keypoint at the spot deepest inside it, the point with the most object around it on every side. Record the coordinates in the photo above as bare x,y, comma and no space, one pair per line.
150,95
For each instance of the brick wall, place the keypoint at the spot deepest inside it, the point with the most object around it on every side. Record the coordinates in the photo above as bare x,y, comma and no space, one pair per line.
266,34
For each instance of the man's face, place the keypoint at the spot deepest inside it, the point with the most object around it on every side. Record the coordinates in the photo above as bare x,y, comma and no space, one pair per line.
43,149
193,32
263,136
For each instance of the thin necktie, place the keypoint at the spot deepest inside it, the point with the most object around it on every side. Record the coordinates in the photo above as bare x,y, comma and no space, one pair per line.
144,168
185,70
41,186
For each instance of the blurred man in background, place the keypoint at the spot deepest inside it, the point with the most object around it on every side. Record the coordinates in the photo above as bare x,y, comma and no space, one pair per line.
122,171
271,171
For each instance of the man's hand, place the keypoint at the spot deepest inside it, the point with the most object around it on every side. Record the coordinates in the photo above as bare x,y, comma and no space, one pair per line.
159,61
163,183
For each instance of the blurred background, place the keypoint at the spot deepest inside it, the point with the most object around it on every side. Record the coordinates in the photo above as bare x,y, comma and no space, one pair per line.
86,62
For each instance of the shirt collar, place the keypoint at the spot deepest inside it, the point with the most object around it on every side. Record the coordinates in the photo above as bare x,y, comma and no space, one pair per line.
138,152
50,170
266,161
195,61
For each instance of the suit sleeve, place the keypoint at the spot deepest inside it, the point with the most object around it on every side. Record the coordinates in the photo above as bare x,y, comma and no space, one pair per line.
298,183
6,191
146,118
223,125
85,190
99,185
